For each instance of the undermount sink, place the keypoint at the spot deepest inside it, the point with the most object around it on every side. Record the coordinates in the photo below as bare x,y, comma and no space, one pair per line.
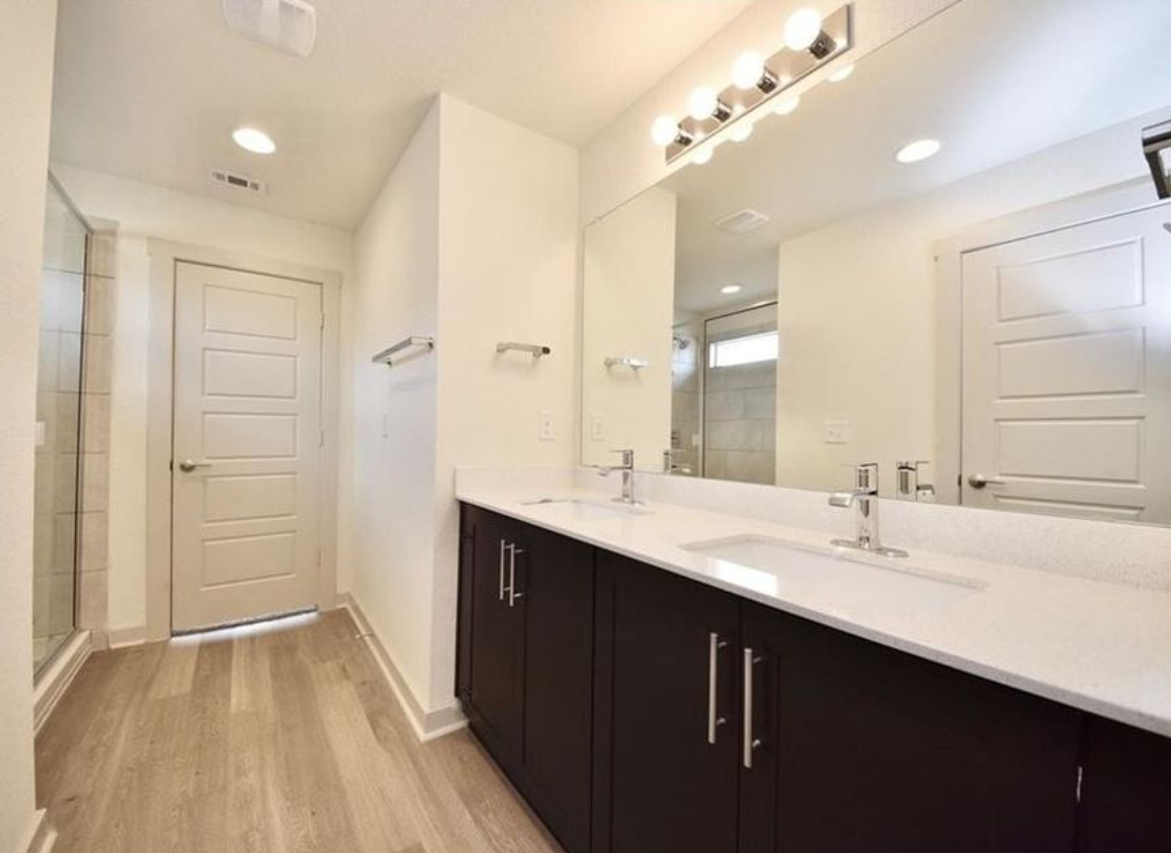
769,564
582,510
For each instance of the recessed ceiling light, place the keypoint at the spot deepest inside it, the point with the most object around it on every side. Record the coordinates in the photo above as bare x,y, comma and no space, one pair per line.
842,73
918,150
251,139
729,289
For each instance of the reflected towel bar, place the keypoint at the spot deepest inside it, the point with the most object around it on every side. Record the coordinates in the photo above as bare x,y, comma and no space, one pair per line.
424,344
536,350
627,361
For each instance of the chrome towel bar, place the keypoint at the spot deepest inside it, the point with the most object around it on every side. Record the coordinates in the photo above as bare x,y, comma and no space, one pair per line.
421,344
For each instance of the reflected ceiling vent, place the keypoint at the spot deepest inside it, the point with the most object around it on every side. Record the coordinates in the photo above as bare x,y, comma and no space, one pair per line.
240,182
741,222
288,25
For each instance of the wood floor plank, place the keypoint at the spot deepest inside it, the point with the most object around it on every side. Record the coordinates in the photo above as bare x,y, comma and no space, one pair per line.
251,741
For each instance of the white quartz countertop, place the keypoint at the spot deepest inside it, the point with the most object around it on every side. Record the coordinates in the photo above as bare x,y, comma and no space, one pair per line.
1101,647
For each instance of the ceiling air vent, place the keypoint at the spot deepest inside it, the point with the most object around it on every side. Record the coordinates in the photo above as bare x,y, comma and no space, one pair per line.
240,182
741,222
288,25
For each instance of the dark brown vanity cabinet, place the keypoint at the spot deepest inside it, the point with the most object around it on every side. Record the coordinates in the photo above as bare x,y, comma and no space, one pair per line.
850,745
641,712
525,663
666,775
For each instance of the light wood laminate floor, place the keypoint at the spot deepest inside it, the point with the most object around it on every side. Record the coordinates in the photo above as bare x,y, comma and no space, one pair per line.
282,740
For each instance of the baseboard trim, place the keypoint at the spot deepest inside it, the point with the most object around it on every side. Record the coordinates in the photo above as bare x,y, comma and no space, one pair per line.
43,836
427,725
54,681
122,638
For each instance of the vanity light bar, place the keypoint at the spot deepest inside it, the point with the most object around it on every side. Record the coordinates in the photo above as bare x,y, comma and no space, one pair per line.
781,71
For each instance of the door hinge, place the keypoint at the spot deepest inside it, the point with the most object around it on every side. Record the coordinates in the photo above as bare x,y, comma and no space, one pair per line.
1080,776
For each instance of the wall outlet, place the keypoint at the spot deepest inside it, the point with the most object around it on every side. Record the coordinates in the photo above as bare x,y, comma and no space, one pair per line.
837,432
597,427
545,427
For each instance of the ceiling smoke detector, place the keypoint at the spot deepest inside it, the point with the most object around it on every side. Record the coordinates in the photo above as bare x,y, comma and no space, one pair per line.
741,222
288,25
236,181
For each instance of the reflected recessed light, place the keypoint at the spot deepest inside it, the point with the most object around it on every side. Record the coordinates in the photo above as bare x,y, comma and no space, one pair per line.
787,105
251,139
703,155
841,74
918,150
729,289
740,132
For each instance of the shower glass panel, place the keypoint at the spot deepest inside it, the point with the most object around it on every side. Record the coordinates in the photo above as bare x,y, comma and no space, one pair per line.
58,427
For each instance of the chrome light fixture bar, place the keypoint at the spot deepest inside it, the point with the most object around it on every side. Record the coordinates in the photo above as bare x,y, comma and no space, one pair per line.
1157,151
779,73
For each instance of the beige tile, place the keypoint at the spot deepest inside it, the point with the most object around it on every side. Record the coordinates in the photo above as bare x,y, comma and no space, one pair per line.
64,537
61,609
96,435
103,254
100,309
94,602
69,362
64,427
95,482
44,530
65,483
48,359
99,352
95,537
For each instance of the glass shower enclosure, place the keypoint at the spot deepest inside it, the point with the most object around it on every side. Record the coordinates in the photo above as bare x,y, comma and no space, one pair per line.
59,427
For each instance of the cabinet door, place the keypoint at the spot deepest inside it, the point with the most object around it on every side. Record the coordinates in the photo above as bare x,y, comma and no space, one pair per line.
1126,790
864,748
555,595
666,681
494,638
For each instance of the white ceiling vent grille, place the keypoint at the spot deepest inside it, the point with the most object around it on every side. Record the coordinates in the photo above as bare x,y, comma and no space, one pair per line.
288,25
741,222
240,182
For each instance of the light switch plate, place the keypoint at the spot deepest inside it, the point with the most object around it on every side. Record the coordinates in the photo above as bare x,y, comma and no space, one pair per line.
837,432
545,429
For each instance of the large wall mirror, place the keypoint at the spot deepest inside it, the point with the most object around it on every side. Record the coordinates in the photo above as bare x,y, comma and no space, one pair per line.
989,321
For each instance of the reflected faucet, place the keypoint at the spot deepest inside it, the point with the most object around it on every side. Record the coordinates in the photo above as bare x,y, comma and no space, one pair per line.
864,499
627,469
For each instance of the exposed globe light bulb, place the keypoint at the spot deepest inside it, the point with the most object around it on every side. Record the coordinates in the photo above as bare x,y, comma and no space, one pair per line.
702,103
918,150
802,29
787,105
740,132
664,131
251,139
702,156
842,73
747,70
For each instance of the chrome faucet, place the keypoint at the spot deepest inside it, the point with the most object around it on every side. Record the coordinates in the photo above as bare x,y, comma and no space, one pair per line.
864,499
627,469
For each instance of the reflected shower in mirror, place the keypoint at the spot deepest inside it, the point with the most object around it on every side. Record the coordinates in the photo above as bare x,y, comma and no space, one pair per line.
953,263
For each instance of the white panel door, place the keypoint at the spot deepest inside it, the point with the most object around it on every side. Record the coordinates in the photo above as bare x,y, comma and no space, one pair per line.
1067,371
246,453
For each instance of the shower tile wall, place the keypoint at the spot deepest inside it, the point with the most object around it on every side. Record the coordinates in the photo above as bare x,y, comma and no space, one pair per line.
740,418
685,400
73,387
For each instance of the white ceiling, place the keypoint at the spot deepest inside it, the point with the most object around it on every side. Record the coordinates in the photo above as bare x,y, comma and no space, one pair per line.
993,80
150,89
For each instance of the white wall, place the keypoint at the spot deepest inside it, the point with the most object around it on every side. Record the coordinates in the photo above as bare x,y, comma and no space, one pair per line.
395,294
141,211
26,67
628,307
472,240
621,161
871,278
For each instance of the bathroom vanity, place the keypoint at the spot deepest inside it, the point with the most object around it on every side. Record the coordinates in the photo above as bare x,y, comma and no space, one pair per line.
649,687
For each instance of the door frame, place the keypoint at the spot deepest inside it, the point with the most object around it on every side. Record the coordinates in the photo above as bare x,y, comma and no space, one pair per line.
1107,203
164,257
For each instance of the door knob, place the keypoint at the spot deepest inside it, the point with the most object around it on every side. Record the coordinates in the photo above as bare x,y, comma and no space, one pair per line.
979,481
189,465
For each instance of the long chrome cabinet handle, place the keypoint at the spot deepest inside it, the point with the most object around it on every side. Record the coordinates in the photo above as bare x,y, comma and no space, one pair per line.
513,595
713,683
750,742
503,548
